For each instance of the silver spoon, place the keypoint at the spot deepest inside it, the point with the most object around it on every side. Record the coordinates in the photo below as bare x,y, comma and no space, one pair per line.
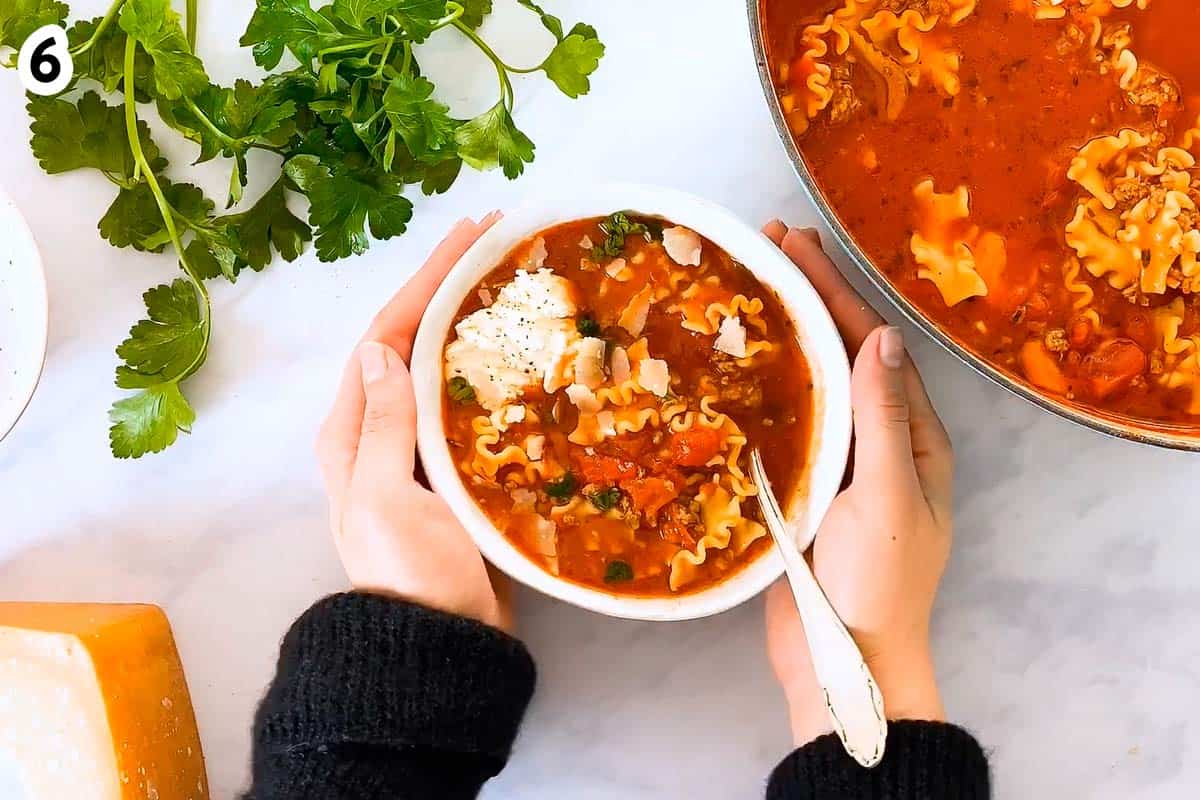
851,694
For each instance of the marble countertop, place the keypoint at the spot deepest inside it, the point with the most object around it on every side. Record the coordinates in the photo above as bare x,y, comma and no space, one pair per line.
1061,630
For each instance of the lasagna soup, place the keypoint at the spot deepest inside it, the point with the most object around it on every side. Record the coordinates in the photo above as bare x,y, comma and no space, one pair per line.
1024,171
603,388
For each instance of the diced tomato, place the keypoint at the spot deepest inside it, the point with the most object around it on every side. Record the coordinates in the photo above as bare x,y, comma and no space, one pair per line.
649,495
694,447
1080,332
1037,307
1140,328
1113,365
605,469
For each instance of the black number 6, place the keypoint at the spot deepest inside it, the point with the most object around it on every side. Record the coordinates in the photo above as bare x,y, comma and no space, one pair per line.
45,66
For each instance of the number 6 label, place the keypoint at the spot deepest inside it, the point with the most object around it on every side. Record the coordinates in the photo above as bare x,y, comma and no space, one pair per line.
44,62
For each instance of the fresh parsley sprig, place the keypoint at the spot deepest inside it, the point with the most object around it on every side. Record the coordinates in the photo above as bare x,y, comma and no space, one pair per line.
354,125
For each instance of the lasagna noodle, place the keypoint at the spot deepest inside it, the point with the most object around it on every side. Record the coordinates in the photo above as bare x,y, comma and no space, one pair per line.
945,244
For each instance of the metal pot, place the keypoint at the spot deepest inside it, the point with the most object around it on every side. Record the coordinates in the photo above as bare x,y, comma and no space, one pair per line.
1177,437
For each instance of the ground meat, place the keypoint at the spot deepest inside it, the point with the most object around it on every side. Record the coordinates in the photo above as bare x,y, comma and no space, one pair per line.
1152,88
927,8
844,103
1056,340
1129,192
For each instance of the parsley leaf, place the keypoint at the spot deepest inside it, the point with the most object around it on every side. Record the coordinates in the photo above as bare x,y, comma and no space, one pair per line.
562,488
460,390
474,12
618,572
492,139
615,229
422,123
571,62
133,218
69,136
587,326
149,421
287,24
549,21
104,60
155,25
269,223
229,122
342,205
606,498
19,18
165,346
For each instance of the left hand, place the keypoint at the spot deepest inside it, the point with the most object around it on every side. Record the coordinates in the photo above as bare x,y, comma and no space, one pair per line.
394,536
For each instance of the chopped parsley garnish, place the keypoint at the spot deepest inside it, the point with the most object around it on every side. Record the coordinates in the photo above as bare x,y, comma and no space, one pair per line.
460,390
587,326
617,572
562,489
606,498
615,229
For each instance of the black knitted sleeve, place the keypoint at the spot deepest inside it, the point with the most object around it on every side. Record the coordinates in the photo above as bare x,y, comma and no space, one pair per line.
378,698
923,761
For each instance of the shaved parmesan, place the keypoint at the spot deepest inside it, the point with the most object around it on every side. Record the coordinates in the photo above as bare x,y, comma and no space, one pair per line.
545,536
583,398
731,338
589,362
621,371
534,446
523,499
618,269
653,376
682,245
586,242
537,253
513,414
485,297
633,318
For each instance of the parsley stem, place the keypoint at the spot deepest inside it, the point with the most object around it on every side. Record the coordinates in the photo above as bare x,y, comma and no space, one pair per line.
408,54
208,123
164,208
191,25
456,11
506,89
346,48
105,21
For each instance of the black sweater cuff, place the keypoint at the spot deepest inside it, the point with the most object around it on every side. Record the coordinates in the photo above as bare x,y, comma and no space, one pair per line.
923,761
365,669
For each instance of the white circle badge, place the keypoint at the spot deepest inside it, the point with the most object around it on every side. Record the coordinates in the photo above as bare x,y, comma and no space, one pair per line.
44,63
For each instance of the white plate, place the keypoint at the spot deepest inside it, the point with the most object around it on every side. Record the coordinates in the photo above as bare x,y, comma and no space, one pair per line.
819,339
24,315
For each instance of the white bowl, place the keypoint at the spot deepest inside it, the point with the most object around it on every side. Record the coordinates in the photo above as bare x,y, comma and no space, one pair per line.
24,315
819,339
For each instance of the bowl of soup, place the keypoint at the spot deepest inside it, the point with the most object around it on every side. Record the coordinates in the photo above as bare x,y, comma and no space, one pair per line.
590,380
1021,178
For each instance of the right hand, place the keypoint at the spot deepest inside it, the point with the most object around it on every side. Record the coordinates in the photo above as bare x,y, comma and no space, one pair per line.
881,550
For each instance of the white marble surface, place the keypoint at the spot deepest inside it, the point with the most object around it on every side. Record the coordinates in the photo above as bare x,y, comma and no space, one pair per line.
1065,629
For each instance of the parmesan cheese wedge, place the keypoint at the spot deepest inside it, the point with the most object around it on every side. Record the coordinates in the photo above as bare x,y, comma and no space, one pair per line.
94,704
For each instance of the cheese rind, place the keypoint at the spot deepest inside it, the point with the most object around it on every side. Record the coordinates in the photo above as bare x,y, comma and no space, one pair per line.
94,704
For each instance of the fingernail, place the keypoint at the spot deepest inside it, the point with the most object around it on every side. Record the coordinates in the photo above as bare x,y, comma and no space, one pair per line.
891,347
812,233
373,361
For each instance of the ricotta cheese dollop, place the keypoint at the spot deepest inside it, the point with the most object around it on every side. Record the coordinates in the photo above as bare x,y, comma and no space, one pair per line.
522,339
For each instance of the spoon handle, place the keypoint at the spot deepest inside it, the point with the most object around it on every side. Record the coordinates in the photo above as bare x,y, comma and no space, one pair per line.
851,695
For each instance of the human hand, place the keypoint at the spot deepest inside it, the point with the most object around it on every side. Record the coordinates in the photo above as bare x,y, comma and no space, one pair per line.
881,550
394,536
